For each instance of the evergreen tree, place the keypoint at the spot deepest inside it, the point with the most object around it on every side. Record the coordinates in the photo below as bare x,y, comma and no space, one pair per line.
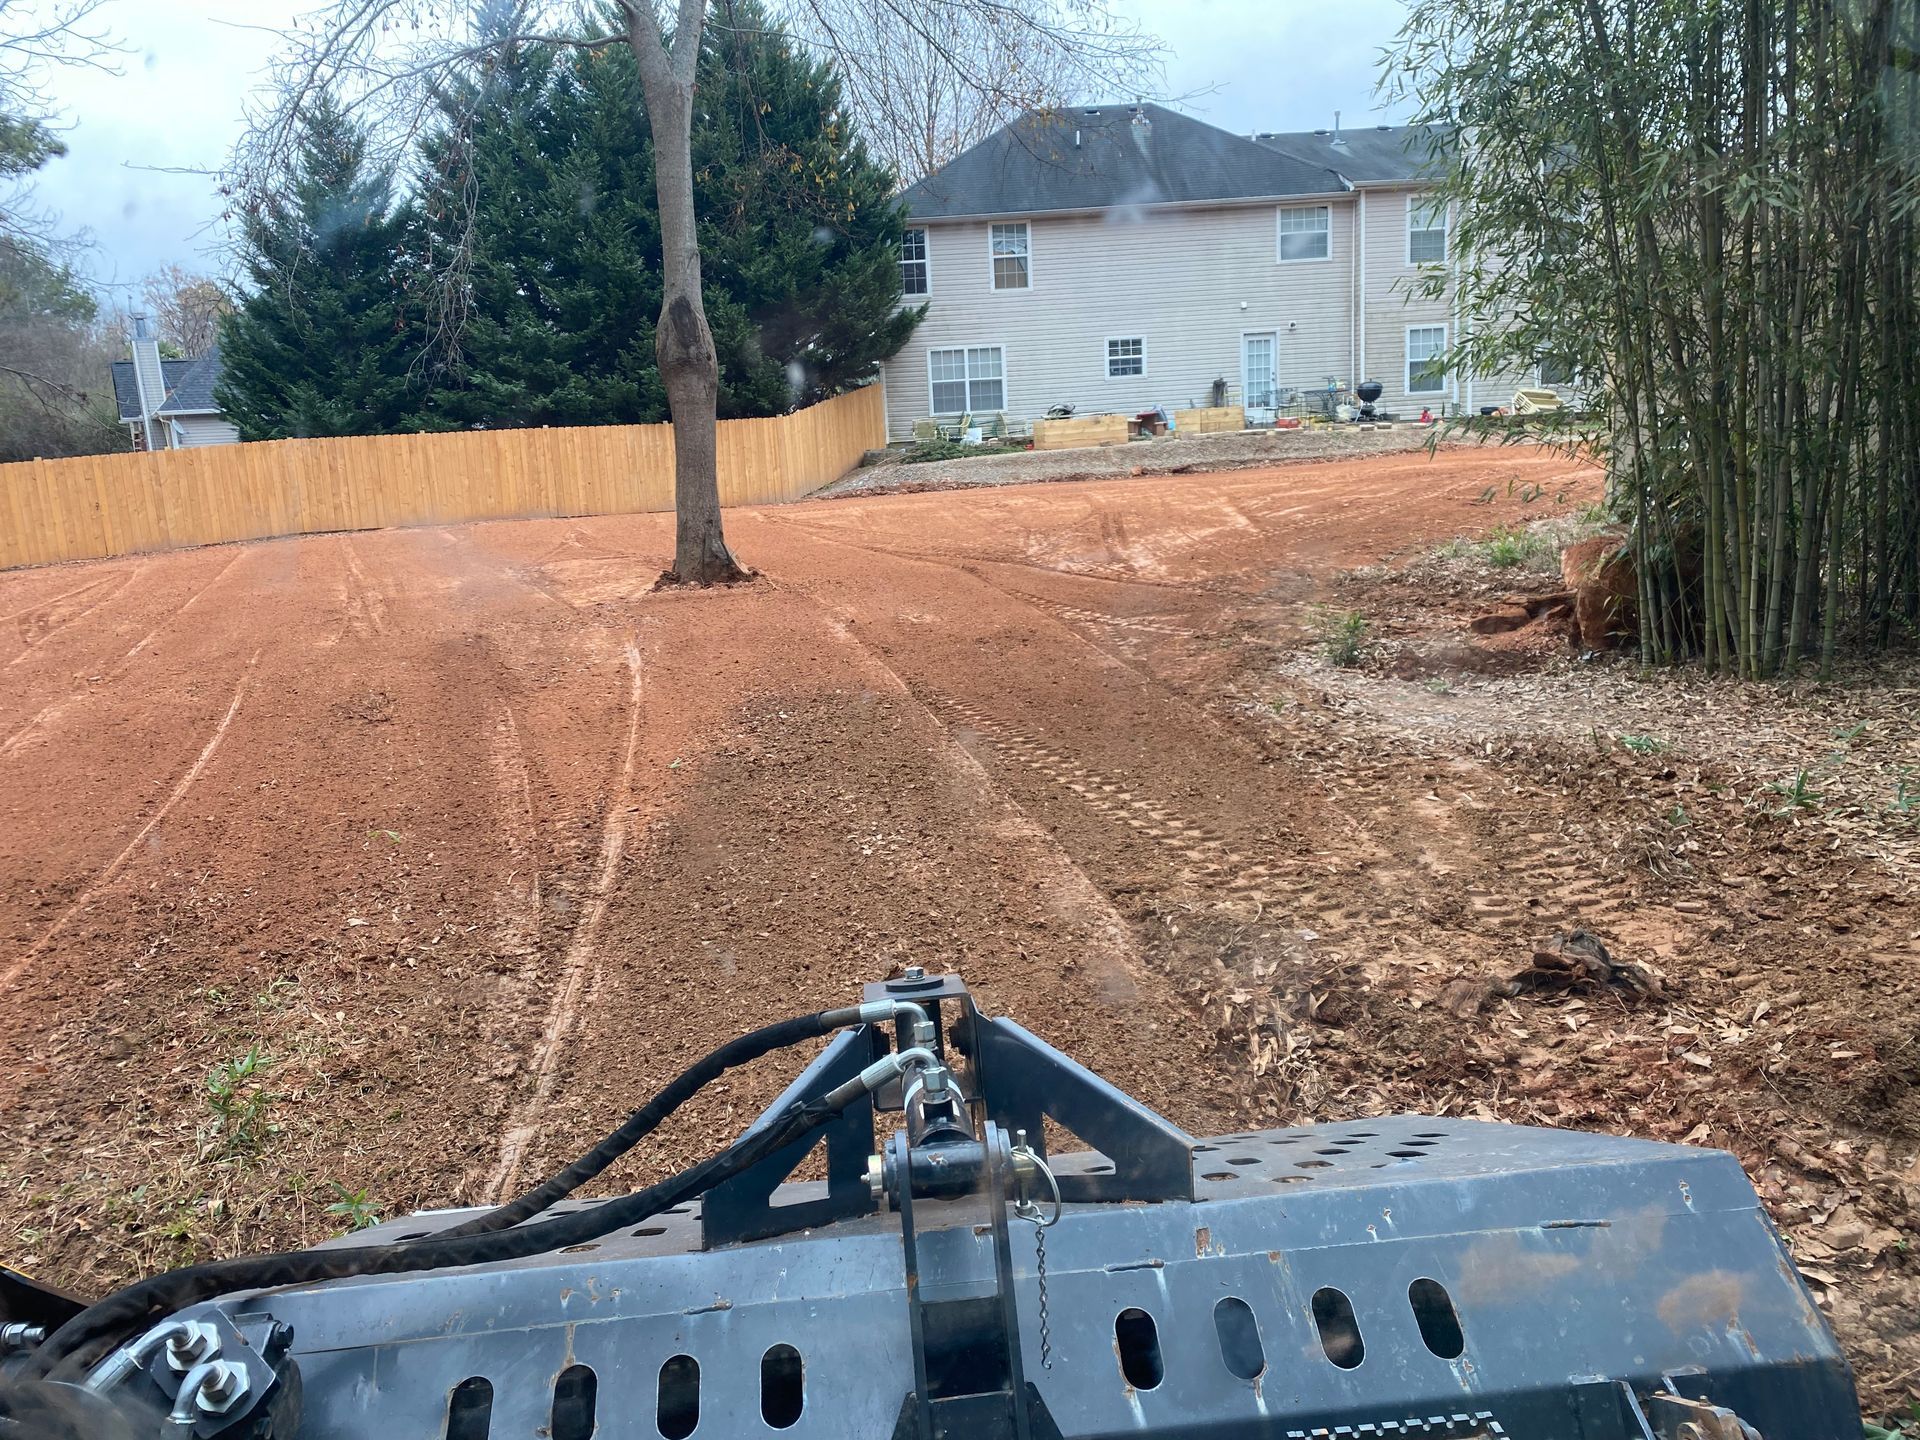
799,232
562,285
545,169
322,343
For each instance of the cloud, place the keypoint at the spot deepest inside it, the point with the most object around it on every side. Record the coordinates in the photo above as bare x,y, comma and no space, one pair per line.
1274,64
174,105
177,102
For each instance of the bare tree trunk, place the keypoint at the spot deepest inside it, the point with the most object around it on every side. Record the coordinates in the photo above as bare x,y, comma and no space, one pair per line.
683,343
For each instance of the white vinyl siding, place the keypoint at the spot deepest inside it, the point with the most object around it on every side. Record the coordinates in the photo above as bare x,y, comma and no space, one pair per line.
1305,232
1426,231
1425,344
1191,282
1010,246
1176,279
916,276
1394,301
967,380
192,431
1126,358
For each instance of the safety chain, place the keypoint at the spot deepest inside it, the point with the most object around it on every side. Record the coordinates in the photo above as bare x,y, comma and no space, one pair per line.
1030,1210
1046,1330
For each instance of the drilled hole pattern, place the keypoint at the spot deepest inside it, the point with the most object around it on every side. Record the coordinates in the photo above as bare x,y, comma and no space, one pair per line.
1332,1150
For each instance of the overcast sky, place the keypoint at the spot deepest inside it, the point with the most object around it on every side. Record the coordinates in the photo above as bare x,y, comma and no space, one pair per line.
175,105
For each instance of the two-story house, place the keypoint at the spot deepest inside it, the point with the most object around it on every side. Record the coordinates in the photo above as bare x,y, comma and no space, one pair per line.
1118,257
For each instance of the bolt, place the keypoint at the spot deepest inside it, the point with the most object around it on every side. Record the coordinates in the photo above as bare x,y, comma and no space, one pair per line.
915,972
190,1343
21,1336
224,1387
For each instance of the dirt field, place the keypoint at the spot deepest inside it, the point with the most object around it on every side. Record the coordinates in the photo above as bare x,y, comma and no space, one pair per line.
471,842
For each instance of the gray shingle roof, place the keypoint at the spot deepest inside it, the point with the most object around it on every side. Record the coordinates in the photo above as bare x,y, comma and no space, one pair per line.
192,393
1102,156
126,394
1368,155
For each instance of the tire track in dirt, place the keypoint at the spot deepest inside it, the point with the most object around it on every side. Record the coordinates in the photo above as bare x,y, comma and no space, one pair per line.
51,621
363,609
563,1008
51,601
192,600
1198,855
113,868
35,723
1121,968
518,916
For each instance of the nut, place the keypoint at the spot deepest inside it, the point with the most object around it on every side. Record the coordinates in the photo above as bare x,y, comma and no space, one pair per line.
189,1343
224,1388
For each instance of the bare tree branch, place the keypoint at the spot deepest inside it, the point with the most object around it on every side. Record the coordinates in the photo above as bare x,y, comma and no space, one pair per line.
35,39
392,63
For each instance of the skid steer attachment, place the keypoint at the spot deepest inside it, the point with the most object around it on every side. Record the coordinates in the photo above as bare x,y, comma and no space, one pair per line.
1021,1250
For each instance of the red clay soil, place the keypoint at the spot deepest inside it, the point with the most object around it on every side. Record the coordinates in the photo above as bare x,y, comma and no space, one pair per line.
478,841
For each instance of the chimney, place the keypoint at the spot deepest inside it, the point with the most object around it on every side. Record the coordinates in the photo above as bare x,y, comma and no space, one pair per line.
149,379
1337,137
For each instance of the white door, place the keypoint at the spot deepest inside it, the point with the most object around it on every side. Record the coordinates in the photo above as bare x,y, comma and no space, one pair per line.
1257,378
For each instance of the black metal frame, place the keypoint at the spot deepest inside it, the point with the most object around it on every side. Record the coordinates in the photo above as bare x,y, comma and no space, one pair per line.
1018,1081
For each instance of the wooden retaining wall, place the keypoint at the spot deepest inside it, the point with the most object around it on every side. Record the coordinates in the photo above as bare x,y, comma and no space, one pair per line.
1080,430
95,506
1211,420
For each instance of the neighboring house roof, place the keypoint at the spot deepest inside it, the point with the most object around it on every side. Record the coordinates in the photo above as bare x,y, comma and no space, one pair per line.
1101,157
126,393
1372,155
1107,156
192,392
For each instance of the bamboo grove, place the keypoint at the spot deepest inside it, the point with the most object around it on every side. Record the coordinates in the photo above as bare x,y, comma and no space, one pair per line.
1705,209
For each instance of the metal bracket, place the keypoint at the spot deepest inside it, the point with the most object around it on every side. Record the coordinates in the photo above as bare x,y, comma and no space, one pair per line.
1023,1079
742,1208
1017,1078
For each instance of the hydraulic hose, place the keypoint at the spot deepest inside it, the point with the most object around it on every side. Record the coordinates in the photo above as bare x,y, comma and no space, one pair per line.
84,1340
644,1121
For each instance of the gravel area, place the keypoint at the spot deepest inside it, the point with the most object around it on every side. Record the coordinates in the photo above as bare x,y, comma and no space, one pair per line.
1174,455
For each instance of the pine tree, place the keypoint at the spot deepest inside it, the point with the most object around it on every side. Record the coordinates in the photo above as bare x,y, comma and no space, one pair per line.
799,236
322,343
559,294
799,232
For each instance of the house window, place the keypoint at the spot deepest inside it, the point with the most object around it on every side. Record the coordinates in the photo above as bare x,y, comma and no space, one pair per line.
1304,233
1556,373
970,381
1010,245
1126,357
915,277
1425,344
1426,231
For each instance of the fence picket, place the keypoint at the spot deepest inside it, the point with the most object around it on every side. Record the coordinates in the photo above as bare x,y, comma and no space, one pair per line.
95,506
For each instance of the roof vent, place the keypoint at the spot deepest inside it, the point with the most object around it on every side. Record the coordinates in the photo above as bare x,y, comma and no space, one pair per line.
1091,110
1321,132
1383,127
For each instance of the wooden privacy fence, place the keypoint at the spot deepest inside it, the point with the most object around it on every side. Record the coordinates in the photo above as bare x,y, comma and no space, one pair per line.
99,505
